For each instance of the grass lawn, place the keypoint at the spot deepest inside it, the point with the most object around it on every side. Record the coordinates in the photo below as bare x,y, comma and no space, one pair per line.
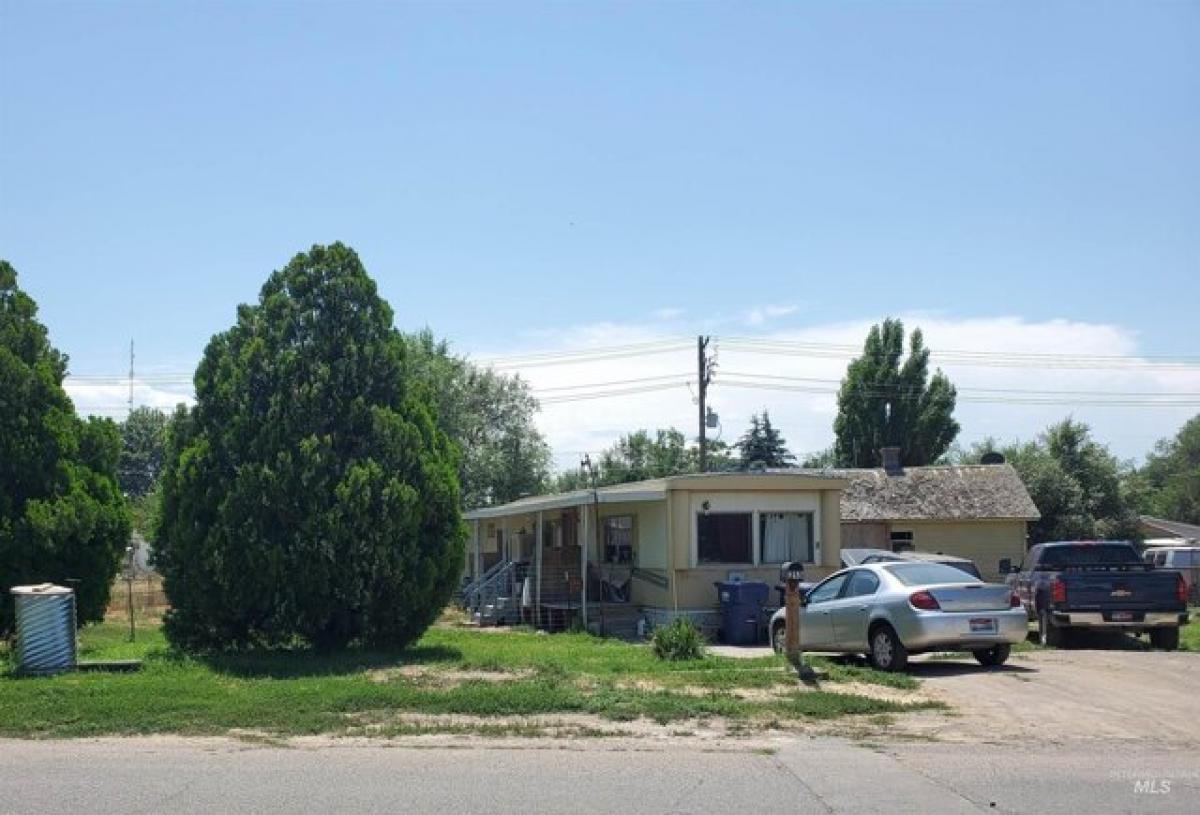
452,671
1189,635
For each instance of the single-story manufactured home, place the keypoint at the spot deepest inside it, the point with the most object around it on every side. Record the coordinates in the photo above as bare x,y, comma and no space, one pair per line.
624,556
629,555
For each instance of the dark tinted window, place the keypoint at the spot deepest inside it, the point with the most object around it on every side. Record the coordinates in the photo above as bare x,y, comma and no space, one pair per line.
723,537
862,583
966,566
927,574
1089,554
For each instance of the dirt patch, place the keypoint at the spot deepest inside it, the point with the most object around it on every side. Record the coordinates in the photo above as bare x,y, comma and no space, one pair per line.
782,690
442,677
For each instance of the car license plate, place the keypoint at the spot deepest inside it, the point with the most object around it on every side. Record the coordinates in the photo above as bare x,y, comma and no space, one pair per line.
983,625
1122,616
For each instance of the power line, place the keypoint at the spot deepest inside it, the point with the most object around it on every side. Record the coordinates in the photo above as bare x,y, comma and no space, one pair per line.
598,349
973,358
555,400
679,379
998,399
1019,391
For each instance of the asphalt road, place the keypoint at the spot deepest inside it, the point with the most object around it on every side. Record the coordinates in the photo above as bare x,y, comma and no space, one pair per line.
797,774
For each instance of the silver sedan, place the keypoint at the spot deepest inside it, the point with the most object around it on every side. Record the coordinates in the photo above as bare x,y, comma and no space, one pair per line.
890,610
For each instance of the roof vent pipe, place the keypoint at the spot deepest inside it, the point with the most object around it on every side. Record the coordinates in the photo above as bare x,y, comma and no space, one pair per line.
891,460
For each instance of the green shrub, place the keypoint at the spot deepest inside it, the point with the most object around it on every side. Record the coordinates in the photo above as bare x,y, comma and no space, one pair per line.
678,641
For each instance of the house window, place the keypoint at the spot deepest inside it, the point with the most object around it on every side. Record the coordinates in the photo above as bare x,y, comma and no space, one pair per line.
618,539
902,542
724,537
786,536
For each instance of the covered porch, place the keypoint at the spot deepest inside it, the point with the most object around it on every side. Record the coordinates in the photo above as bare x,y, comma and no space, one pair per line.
587,559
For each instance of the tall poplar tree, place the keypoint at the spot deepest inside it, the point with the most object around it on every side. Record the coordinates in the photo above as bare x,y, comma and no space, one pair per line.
889,400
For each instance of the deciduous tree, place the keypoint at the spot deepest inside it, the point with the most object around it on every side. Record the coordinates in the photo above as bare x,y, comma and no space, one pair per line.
144,441
889,400
489,416
1074,481
1168,484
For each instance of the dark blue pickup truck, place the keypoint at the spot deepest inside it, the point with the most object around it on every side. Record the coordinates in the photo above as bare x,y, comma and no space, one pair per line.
1100,585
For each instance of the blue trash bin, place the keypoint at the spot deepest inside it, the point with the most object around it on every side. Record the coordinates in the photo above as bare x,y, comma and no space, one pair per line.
741,605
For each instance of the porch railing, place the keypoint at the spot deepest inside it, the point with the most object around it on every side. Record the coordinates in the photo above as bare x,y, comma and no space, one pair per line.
470,595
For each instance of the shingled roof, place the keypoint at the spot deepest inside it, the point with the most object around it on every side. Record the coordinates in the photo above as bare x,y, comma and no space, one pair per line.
972,492
1175,529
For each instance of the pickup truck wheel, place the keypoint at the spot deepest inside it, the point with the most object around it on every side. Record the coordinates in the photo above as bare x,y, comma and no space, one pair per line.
1049,634
991,657
887,652
779,637
1166,639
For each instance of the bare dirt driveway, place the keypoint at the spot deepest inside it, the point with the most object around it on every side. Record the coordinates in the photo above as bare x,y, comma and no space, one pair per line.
1059,696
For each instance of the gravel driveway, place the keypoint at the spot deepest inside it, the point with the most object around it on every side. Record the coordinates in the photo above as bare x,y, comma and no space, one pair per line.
1058,696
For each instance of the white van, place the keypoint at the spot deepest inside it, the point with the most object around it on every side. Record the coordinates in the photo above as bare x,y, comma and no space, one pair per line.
1185,559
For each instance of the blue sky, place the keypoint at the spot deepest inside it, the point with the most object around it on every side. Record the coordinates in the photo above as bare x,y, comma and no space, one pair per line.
527,176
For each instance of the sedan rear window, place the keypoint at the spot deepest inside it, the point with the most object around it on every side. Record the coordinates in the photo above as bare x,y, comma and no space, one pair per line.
927,574
966,566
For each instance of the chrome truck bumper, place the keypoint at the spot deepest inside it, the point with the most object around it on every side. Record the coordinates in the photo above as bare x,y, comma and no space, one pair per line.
1096,619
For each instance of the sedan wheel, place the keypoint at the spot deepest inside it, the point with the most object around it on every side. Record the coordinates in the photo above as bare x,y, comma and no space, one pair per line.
779,638
996,655
887,652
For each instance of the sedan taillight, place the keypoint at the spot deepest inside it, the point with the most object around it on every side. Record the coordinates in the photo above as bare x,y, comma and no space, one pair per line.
1014,600
924,601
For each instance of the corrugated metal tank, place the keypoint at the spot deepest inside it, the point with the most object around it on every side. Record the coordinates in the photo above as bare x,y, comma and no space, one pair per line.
45,628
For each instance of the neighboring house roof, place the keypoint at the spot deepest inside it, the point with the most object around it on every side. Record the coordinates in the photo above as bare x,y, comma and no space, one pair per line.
969,492
1174,529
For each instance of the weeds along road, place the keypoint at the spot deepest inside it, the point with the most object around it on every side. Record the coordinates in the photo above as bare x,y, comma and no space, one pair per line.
796,774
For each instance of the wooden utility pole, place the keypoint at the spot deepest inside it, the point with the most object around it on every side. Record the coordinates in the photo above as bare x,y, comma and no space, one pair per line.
704,376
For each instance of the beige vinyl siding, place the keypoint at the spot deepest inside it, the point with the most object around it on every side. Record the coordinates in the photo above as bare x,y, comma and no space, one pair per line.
694,582
649,546
985,542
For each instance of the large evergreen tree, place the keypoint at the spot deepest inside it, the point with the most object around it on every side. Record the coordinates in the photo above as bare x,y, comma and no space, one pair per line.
62,517
308,494
889,400
763,445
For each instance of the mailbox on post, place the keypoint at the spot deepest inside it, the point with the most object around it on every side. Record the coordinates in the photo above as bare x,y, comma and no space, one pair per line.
792,571
791,574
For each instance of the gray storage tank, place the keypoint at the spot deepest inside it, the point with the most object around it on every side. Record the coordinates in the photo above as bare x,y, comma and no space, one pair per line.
45,628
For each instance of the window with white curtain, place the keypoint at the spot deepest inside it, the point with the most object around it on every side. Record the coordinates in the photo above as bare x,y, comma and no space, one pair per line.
786,536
